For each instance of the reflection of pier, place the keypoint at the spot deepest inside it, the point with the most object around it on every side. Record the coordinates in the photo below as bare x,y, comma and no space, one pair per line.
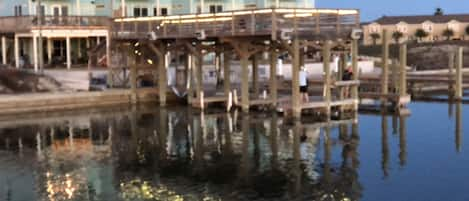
244,154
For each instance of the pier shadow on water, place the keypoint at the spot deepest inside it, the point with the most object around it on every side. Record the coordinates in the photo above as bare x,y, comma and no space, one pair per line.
151,153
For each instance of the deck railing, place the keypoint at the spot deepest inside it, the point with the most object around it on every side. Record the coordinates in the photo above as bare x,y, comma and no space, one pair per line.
27,23
310,22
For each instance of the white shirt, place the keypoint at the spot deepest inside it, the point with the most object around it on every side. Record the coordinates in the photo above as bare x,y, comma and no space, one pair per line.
303,78
279,67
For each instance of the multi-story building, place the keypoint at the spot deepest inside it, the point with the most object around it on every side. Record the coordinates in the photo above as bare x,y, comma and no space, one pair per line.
69,28
172,7
434,26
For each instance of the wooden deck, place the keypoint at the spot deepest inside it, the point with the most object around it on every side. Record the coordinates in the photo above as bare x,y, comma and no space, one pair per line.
310,23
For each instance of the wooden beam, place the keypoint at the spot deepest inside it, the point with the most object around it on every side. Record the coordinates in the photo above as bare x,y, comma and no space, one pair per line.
255,75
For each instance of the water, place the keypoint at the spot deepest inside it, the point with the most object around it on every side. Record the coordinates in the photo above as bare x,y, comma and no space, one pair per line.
177,154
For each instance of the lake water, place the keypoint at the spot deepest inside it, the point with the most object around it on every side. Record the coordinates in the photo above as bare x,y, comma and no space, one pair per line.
152,153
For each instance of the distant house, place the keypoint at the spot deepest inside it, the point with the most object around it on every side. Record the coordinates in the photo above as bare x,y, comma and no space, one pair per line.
433,25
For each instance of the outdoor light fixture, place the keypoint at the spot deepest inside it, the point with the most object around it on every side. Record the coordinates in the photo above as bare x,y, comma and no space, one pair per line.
136,44
149,61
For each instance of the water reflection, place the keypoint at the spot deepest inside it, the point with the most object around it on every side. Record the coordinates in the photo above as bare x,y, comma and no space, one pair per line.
181,154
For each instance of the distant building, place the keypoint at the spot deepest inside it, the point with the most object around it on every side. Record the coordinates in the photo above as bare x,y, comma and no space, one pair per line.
433,25
173,7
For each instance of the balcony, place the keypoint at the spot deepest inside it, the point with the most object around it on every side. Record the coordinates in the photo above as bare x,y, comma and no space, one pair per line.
20,24
310,23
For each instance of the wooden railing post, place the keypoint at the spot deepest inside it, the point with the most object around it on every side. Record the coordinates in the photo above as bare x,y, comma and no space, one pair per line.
253,23
327,76
385,65
274,25
403,71
459,81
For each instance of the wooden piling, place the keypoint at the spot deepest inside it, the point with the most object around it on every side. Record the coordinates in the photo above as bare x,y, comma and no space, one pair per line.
227,74
190,79
255,75
327,76
451,57
273,77
402,70
459,90
162,78
244,84
395,75
133,82
199,75
385,65
355,71
296,105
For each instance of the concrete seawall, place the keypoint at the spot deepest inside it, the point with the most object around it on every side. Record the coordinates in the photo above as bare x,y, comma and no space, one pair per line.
43,102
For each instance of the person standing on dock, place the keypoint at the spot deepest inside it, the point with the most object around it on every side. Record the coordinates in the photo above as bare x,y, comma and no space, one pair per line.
347,76
304,85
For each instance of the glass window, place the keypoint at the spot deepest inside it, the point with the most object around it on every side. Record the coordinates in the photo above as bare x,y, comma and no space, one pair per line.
136,12
164,11
144,12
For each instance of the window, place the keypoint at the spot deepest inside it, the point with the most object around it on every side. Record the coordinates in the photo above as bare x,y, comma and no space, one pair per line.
164,11
212,9
155,11
136,12
216,8
144,12
18,10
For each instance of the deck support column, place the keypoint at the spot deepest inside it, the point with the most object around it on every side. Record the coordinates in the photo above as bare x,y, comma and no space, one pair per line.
200,76
161,53
227,77
355,77
69,53
384,69
49,50
245,83
162,78
255,75
327,77
35,56
451,86
403,71
4,50
296,105
190,79
133,80
273,77
17,52
459,79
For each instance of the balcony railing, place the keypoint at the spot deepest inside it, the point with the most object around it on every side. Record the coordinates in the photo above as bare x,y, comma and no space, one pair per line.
27,23
330,23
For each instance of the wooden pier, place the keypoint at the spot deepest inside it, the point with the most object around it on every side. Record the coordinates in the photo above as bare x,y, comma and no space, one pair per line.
243,35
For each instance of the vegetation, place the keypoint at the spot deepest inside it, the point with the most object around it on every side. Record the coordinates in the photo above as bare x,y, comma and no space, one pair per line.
438,12
420,34
448,33
375,37
397,35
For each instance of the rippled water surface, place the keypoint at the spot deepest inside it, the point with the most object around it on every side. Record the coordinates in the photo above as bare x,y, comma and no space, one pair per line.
152,153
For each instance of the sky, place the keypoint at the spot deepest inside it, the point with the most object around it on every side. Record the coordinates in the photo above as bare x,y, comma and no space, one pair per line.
373,9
